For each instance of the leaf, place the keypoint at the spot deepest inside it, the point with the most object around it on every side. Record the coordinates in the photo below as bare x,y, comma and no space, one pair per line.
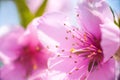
25,15
117,23
41,9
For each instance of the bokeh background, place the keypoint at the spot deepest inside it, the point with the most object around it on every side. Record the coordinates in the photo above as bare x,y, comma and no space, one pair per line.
9,14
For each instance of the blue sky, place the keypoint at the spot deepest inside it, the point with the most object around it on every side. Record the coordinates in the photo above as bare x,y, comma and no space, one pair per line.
9,15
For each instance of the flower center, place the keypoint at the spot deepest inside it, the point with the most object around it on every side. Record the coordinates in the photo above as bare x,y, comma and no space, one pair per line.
28,57
90,49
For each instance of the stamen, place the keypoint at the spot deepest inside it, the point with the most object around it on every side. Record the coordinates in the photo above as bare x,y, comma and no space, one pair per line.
56,46
58,55
34,64
66,38
77,15
91,65
72,50
79,51
75,61
99,51
63,50
70,56
37,48
85,36
35,67
48,47
77,69
73,44
91,54
70,73
73,36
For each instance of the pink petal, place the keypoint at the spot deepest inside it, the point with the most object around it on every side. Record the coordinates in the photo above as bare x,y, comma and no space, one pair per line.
89,22
9,45
48,75
69,63
12,72
92,14
59,62
100,6
40,37
56,28
110,39
105,72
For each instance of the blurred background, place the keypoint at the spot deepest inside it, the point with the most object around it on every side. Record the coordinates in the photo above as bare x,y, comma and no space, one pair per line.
9,15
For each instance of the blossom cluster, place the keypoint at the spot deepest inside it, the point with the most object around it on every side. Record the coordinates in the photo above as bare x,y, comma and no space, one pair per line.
52,48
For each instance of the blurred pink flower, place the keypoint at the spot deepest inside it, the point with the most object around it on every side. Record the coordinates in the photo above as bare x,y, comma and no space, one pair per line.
24,53
84,52
52,5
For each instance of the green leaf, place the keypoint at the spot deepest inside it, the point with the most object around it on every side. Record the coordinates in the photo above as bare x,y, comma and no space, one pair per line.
119,22
25,15
41,9
116,22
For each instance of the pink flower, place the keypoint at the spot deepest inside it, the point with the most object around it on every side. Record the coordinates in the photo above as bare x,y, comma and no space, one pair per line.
86,52
52,5
24,53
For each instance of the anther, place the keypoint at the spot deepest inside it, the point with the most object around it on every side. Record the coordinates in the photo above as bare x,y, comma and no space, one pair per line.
75,61
72,50
99,51
35,67
56,46
37,48
63,50
77,15
70,56
66,38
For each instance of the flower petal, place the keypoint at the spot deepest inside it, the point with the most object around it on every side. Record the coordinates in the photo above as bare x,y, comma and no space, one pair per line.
105,72
56,28
8,43
110,39
12,72
48,75
91,13
88,20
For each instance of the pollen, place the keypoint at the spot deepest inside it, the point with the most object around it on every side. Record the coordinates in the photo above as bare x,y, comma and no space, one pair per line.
75,61
70,56
66,38
56,46
99,51
73,36
58,55
77,69
78,15
85,37
72,50
70,73
37,48
63,50
35,66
